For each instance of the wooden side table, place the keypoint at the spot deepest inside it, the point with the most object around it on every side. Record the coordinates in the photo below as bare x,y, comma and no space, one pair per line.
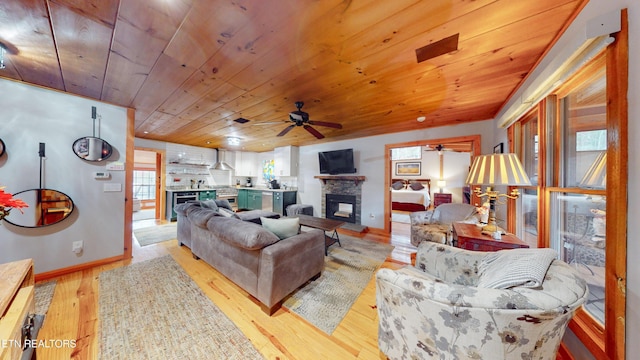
16,303
441,198
470,237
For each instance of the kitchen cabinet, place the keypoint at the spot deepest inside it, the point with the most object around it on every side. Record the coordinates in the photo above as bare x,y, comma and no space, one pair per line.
285,161
246,163
282,199
243,200
254,199
207,195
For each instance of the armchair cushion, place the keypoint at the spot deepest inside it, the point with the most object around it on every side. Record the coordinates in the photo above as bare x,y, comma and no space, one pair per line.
434,225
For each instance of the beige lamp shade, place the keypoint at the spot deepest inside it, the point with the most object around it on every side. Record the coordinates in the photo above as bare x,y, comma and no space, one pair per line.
596,176
497,169
441,183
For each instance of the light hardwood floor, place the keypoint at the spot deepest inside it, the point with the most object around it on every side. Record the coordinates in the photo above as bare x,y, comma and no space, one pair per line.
73,313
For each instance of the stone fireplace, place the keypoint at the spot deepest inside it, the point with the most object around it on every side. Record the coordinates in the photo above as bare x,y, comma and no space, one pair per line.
342,198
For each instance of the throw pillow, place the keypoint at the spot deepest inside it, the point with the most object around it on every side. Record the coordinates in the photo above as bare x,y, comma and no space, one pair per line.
416,186
209,204
228,213
223,203
283,228
515,267
397,185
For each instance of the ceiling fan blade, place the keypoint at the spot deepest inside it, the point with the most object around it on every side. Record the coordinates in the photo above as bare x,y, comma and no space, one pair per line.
327,124
286,130
314,132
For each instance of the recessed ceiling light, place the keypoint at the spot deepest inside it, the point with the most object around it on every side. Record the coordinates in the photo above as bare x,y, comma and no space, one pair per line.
421,118
146,132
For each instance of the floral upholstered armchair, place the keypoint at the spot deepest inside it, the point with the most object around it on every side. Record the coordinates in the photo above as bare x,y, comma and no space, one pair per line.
449,306
434,225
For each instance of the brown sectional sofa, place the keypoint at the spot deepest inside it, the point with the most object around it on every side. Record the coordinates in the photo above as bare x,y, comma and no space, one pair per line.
252,257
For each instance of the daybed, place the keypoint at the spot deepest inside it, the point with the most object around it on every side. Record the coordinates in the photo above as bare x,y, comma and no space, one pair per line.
254,258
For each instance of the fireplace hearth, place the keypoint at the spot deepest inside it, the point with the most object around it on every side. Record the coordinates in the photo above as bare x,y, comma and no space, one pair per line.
341,207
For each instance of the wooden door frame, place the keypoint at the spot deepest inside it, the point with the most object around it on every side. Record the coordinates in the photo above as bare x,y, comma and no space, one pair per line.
160,169
476,149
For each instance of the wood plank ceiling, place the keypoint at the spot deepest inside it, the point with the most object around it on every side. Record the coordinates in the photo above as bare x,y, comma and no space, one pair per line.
190,67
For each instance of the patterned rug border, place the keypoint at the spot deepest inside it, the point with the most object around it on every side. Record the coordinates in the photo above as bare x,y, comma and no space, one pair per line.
43,294
348,269
154,310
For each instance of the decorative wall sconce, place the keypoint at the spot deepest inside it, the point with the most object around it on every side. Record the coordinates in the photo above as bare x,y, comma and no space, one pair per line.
45,206
92,148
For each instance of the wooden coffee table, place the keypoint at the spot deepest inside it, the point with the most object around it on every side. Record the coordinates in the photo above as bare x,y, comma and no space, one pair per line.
470,237
325,225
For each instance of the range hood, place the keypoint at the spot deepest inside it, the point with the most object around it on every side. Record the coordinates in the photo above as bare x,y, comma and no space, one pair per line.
221,164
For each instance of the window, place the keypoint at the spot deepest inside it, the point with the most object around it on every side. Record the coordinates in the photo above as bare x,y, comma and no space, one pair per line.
569,206
407,153
144,184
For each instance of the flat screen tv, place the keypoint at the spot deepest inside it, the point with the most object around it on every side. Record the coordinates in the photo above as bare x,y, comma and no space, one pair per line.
337,162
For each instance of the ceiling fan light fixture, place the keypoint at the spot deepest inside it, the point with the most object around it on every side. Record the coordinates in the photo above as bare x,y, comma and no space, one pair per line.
232,140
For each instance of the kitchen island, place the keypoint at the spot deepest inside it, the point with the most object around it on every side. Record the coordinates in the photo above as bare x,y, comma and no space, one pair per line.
257,198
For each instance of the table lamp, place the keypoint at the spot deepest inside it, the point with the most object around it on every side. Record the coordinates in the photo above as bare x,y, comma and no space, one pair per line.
493,170
596,175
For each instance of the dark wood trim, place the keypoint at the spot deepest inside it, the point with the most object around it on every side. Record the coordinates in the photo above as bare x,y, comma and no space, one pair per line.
617,191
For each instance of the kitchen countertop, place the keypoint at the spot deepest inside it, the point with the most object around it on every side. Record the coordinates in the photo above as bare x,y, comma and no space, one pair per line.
183,189
267,189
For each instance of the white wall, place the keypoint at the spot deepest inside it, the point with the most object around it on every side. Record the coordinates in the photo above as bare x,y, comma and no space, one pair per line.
369,160
31,115
577,29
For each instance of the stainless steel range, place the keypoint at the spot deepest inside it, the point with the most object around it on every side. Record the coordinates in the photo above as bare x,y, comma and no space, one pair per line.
230,194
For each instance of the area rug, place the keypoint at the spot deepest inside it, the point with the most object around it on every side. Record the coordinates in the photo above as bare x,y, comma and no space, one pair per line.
43,294
348,269
155,234
154,310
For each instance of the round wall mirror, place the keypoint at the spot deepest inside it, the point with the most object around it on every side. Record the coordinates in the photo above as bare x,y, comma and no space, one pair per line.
92,148
46,207
2,149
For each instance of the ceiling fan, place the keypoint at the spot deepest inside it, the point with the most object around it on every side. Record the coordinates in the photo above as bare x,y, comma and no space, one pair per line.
438,148
301,118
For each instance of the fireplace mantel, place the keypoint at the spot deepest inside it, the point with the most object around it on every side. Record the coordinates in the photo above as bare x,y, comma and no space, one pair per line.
355,179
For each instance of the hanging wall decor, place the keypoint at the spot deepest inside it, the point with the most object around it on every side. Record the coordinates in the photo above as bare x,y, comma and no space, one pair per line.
2,148
92,148
45,206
